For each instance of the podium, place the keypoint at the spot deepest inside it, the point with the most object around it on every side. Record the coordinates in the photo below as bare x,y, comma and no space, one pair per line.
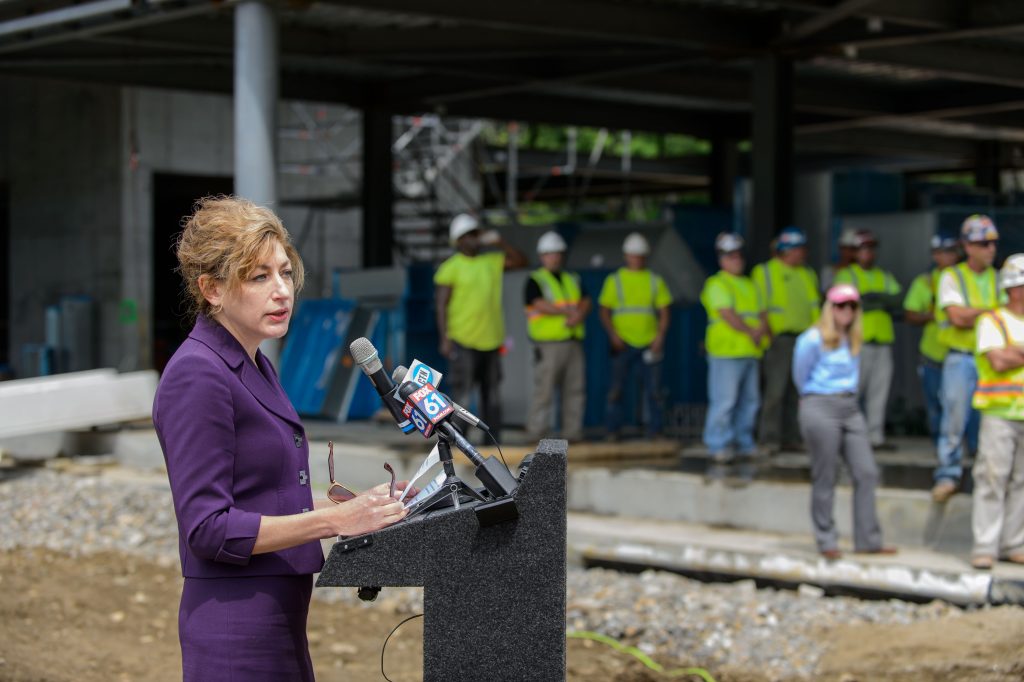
493,595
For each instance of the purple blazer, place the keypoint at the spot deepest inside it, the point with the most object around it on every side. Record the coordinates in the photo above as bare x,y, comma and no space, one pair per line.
235,450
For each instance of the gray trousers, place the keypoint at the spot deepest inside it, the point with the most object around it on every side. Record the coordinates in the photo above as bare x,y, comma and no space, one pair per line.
997,519
779,398
873,387
557,364
468,368
834,429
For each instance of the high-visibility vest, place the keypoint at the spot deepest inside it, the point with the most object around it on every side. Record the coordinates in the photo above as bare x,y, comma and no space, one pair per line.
635,299
950,335
562,293
999,391
769,277
721,340
877,324
930,346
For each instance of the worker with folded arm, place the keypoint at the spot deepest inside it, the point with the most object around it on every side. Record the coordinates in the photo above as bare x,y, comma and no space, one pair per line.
790,293
997,518
879,299
919,310
966,291
556,307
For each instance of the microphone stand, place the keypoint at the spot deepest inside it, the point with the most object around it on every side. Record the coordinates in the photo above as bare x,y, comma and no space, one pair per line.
453,486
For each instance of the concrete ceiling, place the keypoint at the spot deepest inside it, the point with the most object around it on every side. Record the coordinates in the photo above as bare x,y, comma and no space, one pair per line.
925,81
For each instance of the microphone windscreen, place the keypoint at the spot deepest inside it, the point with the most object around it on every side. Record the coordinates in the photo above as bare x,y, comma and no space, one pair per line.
365,355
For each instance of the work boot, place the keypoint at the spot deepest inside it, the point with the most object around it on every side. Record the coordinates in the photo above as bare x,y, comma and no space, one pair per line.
943,490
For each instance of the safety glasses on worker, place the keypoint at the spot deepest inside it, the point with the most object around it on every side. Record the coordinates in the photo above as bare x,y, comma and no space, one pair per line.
337,492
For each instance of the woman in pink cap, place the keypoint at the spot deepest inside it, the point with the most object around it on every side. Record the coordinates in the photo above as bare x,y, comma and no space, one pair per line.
826,366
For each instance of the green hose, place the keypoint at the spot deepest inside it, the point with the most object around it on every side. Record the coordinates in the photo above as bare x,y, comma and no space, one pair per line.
639,655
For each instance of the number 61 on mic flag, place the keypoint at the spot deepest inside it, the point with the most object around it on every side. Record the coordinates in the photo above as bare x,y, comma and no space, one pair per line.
426,407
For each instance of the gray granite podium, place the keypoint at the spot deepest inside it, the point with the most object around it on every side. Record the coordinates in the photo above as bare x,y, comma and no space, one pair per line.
493,596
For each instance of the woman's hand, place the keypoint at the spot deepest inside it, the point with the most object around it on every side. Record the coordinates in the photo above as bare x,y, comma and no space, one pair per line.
369,511
402,485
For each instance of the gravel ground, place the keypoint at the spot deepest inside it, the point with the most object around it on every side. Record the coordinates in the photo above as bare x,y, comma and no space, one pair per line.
664,615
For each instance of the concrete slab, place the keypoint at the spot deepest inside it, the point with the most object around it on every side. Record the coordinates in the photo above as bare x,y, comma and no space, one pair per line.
786,560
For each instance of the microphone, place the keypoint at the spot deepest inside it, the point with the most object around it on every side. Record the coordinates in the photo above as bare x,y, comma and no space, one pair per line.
464,415
430,412
365,355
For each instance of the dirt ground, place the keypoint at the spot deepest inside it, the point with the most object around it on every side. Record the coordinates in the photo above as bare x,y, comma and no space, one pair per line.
112,618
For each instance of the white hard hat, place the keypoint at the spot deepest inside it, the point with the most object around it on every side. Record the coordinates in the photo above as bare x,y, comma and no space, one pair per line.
635,245
551,242
848,238
1012,273
462,224
727,242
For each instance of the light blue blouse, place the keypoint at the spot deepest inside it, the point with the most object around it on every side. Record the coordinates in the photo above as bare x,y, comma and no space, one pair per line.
819,370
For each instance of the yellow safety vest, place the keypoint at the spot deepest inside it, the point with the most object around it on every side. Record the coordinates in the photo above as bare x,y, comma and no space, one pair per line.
773,289
877,324
950,335
721,340
999,392
562,294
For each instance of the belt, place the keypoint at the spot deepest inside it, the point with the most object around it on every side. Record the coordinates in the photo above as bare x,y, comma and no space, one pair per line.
844,394
960,352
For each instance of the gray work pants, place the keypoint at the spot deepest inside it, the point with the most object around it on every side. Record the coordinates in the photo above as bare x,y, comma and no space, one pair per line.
997,519
873,387
834,428
557,364
468,368
779,398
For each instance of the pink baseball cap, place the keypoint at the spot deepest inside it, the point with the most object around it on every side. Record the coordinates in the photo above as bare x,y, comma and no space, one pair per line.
843,293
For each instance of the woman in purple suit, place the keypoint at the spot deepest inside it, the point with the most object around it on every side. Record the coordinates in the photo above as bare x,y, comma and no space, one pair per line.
238,459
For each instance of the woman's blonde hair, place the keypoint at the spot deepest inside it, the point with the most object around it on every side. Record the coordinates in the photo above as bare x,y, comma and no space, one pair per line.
227,238
830,336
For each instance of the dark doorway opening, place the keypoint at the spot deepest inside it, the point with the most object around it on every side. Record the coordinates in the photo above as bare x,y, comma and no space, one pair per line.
5,281
173,199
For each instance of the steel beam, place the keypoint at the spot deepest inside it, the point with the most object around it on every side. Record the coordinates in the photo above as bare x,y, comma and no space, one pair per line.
620,22
64,15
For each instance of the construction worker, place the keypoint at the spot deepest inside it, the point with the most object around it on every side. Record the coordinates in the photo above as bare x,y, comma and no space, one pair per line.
880,298
789,290
919,310
737,326
997,519
966,291
469,320
847,254
556,306
635,314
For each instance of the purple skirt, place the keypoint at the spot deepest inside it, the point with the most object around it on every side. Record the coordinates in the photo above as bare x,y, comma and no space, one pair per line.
245,629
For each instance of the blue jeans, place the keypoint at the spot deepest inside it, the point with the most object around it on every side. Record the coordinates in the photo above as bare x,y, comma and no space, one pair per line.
623,366
959,419
733,400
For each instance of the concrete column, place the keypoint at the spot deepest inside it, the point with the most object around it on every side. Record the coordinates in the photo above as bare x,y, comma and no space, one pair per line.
722,170
772,151
378,193
257,80
256,92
